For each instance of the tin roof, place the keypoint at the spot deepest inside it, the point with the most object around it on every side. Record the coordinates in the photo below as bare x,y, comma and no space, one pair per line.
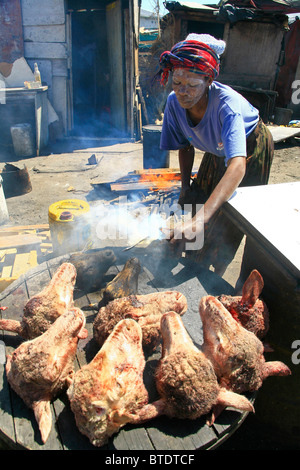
282,6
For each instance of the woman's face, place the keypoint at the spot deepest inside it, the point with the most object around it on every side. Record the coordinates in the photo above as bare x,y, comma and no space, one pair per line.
189,87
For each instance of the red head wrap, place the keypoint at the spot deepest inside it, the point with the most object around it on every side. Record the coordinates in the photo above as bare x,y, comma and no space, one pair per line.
193,55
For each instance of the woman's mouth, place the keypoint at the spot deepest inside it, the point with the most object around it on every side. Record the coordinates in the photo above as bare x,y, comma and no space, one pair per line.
184,102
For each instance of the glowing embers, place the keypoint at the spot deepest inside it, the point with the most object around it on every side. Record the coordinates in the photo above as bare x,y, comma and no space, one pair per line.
150,179
158,181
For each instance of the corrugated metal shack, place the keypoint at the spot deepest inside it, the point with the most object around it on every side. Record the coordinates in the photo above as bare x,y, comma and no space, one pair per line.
254,32
87,53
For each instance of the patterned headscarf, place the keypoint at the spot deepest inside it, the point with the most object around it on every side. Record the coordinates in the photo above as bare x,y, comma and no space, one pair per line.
193,54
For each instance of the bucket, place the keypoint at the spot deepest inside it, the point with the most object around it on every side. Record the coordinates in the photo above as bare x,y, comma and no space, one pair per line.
3,207
153,156
23,140
69,223
282,116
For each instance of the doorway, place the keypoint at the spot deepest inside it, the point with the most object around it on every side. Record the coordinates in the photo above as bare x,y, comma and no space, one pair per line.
90,70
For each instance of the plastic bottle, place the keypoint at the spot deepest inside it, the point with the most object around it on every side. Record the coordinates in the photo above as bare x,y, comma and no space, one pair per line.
37,75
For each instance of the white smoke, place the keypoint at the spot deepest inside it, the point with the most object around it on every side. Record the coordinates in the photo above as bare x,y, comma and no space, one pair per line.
118,222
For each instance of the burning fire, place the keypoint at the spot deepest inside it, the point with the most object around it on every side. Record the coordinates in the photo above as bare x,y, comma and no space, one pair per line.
161,181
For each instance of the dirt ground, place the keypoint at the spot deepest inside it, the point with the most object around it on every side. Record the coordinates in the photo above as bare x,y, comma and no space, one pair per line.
63,172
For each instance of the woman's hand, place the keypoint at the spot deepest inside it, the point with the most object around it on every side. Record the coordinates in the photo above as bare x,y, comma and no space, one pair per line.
188,234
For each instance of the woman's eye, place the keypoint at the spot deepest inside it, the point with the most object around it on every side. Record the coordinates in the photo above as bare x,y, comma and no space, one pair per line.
187,85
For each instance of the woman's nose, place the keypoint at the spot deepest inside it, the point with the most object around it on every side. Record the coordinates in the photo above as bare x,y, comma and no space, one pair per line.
182,90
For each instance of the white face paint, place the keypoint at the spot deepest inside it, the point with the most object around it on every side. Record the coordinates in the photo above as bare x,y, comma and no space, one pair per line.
189,87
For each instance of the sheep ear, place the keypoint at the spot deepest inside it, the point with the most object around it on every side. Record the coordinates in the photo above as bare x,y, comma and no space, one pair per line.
149,411
252,287
12,325
229,398
83,333
42,413
275,368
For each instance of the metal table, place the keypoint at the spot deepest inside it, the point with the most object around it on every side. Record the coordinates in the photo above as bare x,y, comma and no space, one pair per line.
18,427
37,96
269,216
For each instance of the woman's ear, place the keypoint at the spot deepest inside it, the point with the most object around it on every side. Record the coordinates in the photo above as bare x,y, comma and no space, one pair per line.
209,80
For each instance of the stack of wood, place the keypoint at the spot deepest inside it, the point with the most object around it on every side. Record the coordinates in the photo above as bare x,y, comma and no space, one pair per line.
149,186
20,249
164,179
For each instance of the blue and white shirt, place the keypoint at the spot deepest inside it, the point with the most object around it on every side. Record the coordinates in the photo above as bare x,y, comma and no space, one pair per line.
227,122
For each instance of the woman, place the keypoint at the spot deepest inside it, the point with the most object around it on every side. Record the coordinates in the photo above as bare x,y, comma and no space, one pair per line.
204,114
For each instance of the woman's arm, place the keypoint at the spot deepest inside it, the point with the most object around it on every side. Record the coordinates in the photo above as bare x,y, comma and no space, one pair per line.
223,191
186,161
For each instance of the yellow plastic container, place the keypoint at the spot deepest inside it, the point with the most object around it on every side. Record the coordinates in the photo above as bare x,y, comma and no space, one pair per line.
69,223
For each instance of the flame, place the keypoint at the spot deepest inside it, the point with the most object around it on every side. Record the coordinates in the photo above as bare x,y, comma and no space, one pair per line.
160,181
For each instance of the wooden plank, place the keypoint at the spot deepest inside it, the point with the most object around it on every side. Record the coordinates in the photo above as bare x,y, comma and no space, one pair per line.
45,50
262,41
20,228
19,240
19,259
23,262
45,33
48,13
281,133
179,434
156,171
143,185
6,413
6,271
87,348
223,424
131,438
